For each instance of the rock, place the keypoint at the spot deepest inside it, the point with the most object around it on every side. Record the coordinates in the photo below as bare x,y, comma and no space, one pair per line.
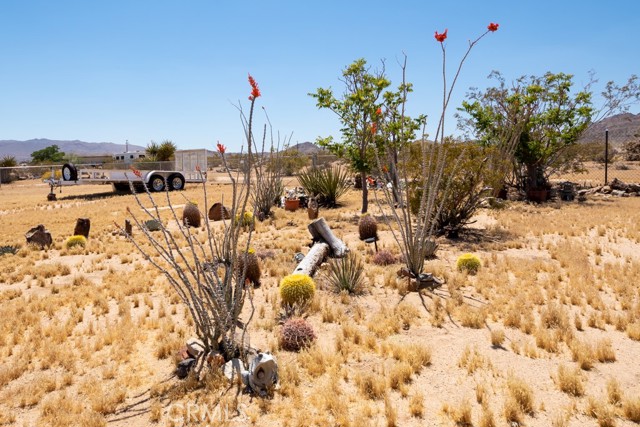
83,225
616,184
605,189
618,193
39,236
182,371
634,188
626,195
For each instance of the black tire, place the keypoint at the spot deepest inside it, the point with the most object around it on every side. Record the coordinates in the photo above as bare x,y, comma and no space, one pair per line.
69,172
176,182
156,183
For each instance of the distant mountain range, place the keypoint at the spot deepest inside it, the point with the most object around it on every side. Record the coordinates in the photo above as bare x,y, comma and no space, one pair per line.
22,150
623,128
307,148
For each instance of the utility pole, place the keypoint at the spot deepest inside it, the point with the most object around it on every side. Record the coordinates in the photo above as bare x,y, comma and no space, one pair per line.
606,156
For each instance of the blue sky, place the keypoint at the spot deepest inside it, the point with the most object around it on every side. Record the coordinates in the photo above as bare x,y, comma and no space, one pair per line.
153,69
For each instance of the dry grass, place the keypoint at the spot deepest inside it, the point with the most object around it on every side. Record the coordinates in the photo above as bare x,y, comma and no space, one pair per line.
90,329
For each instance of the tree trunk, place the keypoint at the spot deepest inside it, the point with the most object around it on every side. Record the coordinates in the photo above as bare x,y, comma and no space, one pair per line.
320,231
532,176
314,258
365,192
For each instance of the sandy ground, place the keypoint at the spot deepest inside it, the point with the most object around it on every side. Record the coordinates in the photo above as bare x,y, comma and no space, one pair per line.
533,257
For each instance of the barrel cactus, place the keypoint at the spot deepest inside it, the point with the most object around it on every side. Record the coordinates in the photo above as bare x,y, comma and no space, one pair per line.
245,220
469,263
297,289
73,241
296,334
368,227
191,215
253,267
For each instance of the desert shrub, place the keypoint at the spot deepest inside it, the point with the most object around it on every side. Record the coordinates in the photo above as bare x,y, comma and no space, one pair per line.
74,241
346,274
297,289
470,171
570,380
288,162
632,150
384,257
469,263
327,184
296,334
8,162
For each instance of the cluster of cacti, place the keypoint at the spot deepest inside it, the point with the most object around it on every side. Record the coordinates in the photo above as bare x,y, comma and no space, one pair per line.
191,215
384,257
297,289
76,241
469,263
296,334
367,227
253,267
246,220
8,250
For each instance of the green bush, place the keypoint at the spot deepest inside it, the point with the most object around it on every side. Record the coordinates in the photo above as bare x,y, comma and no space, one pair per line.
469,263
346,274
327,184
74,241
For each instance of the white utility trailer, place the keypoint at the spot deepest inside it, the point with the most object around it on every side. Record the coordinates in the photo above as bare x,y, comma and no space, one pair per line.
183,171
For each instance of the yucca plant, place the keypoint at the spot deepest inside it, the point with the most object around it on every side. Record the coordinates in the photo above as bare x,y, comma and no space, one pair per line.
328,184
347,274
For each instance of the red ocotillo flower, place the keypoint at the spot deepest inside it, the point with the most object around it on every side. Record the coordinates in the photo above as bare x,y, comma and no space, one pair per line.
493,27
379,111
221,148
441,37
255,91
136,172
374,128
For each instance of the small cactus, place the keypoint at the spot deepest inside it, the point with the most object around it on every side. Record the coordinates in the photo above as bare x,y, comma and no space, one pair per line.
246,220
191,215
469,263
297,289
76,241
296,334
384,257
253,267
368,227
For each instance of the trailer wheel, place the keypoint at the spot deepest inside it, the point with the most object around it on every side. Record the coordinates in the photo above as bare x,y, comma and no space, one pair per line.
156,183
69,172
176,182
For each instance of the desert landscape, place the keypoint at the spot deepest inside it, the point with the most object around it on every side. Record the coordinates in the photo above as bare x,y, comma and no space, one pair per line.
545,333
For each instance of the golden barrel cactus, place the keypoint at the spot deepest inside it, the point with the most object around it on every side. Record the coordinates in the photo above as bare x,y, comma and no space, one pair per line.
469,263
191,215
297,289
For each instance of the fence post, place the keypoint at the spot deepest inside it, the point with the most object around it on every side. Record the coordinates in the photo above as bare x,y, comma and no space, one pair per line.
606,156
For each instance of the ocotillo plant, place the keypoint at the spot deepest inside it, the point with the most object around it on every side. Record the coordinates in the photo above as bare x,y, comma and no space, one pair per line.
204,275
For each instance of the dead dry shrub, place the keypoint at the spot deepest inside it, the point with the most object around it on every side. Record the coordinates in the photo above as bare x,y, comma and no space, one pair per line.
521,392
570,380
372,385
631,408
416,405
459,413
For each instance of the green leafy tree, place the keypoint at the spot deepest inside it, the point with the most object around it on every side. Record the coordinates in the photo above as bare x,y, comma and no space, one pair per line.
358,110
50,154
540,116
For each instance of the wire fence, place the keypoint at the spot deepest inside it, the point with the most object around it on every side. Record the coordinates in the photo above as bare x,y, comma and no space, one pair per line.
601,165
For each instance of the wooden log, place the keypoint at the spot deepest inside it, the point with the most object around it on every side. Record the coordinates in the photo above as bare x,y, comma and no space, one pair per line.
320,230
310,263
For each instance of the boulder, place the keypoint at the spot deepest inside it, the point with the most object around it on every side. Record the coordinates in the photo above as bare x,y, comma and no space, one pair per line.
605,189
39,236
616,184
618,193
